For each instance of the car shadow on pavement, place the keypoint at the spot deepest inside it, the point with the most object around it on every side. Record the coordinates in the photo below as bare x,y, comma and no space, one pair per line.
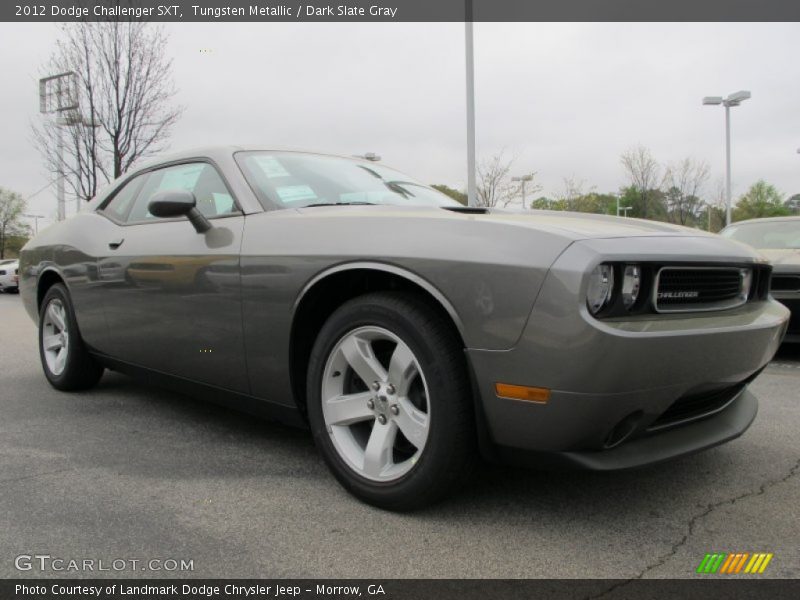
160,434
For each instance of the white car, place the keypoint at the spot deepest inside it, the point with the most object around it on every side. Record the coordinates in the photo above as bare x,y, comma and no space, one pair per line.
9,275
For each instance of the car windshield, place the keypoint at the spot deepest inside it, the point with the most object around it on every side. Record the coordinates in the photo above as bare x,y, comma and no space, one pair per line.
295,180
767,235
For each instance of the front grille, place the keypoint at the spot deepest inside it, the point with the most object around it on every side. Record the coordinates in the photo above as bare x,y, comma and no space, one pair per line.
696,406
785,283
681,289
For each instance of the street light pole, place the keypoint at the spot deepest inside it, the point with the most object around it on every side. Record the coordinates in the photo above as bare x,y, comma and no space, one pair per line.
625,208
727,165
58,94
35,221
472,199
523,180
734,99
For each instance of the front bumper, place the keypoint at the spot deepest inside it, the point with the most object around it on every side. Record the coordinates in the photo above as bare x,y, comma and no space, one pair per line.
650,449
603,373
792,302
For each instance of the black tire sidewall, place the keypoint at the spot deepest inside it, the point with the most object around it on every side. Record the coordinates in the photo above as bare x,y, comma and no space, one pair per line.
445,388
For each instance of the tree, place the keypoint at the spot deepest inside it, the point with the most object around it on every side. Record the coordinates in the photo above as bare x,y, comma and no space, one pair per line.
544,203
653,200
125,92
12,205
494,184
761,200
573,190
643,174
712,217
602,204
455,194
683,182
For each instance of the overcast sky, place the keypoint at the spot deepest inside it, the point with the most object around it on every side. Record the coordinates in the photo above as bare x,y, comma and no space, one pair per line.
565,99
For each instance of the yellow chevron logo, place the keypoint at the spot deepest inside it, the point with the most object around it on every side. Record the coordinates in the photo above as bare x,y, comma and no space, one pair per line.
735,563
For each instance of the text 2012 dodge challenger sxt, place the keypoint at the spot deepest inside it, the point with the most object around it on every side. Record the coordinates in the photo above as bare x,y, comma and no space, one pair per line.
405,329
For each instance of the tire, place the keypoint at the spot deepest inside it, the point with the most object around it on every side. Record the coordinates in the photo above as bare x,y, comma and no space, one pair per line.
66,362
418,409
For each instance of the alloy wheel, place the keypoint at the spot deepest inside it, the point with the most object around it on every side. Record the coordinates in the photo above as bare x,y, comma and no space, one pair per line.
55,336
375,404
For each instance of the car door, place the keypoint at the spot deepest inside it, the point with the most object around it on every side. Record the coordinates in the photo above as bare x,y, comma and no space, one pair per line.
172,296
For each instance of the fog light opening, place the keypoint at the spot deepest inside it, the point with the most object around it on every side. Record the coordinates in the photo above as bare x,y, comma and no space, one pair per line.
622,430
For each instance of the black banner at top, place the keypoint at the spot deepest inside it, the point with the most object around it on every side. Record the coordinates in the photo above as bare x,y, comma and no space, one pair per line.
400,10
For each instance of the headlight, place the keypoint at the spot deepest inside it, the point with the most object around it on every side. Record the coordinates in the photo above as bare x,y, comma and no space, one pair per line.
631,284
601,286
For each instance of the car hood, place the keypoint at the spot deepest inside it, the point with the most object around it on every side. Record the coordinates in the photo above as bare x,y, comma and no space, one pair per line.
782,258
575,226
591,226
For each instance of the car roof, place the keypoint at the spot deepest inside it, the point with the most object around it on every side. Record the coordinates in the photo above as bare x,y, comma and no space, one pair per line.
765,220
218,153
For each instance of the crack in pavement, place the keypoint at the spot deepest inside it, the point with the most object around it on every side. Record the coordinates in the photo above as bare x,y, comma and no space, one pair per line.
662,560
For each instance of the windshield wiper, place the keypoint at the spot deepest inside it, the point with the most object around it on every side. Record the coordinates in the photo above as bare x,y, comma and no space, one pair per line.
336,204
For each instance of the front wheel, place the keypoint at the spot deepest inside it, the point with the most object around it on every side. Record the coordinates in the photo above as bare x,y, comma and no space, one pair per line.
65,360
389,403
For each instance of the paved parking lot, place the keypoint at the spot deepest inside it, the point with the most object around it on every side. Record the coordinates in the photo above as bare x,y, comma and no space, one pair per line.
131,472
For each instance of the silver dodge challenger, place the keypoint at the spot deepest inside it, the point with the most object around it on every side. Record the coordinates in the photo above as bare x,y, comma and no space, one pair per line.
410,333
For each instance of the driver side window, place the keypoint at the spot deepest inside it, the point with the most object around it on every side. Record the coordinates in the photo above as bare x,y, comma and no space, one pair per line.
202,179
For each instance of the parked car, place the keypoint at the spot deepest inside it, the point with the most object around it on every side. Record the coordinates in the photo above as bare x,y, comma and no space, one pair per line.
405,329
9,279
778,239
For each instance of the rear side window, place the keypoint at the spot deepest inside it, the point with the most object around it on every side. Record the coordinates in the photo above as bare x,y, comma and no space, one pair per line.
202,179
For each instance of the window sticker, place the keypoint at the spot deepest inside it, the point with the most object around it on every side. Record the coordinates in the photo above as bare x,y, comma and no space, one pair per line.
183,178
270,166
295,193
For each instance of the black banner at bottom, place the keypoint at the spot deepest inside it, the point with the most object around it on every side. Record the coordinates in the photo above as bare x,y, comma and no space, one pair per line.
398,589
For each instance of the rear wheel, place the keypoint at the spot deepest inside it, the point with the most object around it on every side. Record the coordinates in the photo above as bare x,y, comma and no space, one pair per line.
389,403
65,360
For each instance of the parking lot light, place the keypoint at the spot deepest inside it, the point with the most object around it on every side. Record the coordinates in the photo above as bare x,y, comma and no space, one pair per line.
734,99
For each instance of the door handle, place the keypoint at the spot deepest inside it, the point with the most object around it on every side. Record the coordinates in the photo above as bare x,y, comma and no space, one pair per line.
116,243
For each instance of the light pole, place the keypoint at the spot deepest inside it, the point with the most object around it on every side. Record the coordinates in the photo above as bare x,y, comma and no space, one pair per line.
472,197
734,99
522,181
35,221
58,94
625,208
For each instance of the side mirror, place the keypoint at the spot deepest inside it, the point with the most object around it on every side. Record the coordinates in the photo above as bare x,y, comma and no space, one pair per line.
178,203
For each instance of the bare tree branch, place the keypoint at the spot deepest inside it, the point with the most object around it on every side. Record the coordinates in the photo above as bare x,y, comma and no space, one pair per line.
643,171
683,182
125,95
494,185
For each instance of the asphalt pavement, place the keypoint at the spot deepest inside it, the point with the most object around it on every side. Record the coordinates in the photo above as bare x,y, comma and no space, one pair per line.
130,472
